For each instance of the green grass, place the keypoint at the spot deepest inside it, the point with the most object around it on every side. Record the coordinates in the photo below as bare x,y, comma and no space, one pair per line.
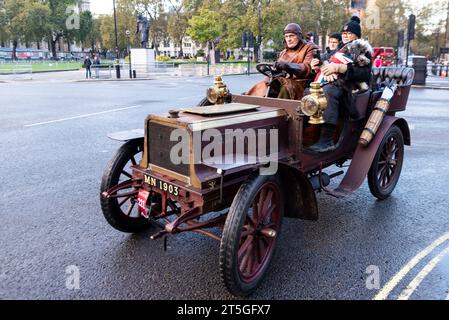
39,67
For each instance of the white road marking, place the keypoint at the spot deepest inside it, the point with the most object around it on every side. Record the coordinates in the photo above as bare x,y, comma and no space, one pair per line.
386,290
191,97
414,284
81,116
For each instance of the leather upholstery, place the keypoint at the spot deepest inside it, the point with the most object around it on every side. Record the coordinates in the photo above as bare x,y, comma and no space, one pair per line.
403,75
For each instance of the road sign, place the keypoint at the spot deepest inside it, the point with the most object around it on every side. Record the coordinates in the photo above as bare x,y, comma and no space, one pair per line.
444,50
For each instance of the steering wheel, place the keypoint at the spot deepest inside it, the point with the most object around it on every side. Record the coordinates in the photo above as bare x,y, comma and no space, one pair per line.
268,69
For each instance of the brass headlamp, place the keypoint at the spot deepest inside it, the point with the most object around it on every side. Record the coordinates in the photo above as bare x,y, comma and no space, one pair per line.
218,92
314,104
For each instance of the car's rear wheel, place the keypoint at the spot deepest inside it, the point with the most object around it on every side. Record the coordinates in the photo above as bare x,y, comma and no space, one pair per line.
250,234
387,164
121,209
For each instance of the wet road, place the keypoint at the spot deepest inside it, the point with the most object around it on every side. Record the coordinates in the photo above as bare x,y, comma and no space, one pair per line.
53,149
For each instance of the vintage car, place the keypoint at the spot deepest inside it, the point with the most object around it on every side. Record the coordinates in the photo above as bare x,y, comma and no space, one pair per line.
241,202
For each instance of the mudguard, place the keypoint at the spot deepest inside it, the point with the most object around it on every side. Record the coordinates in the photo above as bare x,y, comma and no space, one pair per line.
127,135
364,156
300,202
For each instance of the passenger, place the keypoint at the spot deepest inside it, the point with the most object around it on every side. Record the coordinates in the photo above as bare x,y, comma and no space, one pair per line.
344,79
334,44
295,60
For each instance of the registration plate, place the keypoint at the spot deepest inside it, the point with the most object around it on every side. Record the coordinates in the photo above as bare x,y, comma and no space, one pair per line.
142,202
162,185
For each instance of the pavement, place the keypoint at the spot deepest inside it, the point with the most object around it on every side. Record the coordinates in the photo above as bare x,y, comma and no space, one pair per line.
432,82
435,83
54,148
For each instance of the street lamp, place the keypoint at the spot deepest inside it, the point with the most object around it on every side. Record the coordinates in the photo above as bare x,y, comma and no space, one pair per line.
117,53
128,35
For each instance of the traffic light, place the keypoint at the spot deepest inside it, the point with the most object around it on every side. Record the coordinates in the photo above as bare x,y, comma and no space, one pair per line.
401,39
411,27
247,39
244,39
250,39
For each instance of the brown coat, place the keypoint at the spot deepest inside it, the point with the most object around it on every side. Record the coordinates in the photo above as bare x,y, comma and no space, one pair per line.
294,85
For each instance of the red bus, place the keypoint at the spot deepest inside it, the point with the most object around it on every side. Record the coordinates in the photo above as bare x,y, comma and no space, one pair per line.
386,54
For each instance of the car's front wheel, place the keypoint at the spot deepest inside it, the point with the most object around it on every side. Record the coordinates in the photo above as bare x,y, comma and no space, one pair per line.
250,234
120,208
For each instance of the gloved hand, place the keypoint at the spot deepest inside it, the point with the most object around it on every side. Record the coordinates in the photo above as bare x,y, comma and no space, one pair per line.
334,68
281,65
333,77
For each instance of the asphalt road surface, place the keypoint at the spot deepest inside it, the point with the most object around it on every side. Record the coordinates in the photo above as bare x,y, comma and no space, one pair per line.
53,150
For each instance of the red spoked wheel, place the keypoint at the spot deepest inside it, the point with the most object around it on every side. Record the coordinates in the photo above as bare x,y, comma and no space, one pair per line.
387,164
120,208
250,234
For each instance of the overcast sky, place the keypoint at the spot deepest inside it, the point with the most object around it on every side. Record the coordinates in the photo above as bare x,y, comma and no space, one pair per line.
105,6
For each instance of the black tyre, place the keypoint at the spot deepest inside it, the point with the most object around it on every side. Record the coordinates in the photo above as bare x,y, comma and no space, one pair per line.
387,164
250,234
121,211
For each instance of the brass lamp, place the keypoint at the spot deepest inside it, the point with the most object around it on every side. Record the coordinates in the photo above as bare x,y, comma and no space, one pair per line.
314,104
218,92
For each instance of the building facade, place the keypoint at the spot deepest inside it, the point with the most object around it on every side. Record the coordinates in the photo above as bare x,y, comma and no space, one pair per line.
85,5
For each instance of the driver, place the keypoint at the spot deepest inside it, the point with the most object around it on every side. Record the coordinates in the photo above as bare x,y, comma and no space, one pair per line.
295,60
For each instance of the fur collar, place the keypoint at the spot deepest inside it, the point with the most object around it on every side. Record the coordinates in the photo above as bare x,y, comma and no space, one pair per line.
358,50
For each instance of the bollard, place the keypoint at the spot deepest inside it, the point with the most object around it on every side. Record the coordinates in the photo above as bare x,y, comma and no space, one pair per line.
134,74
117,71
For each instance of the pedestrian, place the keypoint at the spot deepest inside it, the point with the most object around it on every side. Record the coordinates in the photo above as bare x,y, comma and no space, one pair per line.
87,63
97,64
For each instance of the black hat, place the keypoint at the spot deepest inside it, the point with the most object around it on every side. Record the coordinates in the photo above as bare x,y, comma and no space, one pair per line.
335,35
353,26
293,28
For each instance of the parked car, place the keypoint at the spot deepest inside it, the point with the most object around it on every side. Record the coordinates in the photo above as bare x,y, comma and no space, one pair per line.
410,60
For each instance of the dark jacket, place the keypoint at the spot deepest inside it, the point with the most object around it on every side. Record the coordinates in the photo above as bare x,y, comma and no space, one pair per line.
87,63
358,71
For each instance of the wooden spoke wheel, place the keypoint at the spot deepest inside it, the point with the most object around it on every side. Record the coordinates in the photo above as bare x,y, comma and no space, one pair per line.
120,208
250,234
387,164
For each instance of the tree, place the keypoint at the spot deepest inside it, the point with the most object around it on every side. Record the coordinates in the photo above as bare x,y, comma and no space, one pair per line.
86,34
105,27
205,29
15,23
178,23
158,30
429,34
58,21
36,16
3,23
392,18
